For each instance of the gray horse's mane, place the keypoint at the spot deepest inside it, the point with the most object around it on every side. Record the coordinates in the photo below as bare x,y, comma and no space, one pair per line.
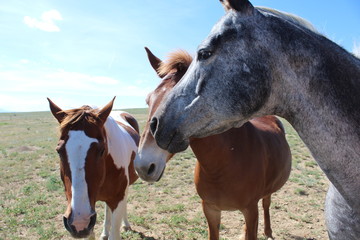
295,20
289,17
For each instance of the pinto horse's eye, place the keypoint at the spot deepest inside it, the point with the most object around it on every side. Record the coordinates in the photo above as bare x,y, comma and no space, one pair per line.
204,54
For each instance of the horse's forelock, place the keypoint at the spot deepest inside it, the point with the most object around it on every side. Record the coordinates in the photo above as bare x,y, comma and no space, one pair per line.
177,60
76,115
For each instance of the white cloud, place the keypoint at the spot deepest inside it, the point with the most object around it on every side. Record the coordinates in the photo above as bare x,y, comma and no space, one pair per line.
46,22
24,61
60,81
21,104
80,79
27,89
356,49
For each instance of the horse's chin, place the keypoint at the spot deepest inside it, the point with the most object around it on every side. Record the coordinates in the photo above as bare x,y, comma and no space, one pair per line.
214,131
178,146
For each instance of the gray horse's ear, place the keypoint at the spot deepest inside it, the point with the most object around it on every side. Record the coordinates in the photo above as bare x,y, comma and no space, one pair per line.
154,61
243,6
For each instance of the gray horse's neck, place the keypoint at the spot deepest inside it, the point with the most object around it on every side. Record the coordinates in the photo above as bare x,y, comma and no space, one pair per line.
321,95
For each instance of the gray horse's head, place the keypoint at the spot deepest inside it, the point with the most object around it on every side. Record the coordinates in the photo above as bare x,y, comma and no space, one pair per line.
230,79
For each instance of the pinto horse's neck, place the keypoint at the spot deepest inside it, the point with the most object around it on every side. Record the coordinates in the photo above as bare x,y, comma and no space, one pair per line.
321,99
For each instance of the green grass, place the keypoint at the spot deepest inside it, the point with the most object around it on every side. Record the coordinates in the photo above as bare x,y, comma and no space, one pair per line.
32,200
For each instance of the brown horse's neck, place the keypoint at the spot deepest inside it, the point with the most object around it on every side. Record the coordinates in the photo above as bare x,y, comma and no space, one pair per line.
214,152
205,158
205,154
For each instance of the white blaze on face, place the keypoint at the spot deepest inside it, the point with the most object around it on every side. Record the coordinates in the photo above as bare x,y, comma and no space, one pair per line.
77,147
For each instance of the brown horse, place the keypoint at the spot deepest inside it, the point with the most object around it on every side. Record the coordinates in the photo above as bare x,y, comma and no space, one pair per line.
96,152
234,170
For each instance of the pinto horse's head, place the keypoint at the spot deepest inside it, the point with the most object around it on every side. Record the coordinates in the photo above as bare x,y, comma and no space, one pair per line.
82,149
151,160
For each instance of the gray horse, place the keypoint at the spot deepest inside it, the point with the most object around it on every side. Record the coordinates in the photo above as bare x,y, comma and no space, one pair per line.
257,62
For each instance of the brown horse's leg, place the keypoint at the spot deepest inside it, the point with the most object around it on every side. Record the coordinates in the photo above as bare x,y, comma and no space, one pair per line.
251,214
213,217
266,205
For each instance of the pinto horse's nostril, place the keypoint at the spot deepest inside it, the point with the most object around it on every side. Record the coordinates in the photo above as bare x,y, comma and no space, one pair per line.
151,169
153,125
67,225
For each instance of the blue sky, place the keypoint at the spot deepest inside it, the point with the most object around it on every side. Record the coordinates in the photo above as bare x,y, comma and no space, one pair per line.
85,52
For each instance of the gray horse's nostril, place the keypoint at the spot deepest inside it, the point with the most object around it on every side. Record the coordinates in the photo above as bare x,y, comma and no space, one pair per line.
151,169
153,125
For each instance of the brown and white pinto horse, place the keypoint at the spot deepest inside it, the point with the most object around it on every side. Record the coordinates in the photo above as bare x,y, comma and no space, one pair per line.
96,153
234,170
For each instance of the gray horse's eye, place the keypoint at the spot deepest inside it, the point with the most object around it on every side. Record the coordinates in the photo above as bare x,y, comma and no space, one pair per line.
203,54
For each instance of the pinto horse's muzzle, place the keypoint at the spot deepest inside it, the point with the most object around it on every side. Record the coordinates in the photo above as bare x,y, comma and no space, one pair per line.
79,234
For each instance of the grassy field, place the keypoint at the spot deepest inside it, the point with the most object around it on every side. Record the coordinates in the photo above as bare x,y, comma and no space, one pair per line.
32,200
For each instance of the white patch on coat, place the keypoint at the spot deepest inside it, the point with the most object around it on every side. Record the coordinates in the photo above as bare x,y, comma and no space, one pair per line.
116,116
77,147
120,143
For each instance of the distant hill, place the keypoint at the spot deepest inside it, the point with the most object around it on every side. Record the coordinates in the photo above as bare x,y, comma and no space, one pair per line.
135,110
130,110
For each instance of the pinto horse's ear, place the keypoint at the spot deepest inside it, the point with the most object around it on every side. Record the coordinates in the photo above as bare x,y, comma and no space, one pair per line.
243,6
105,111
57,112
154,61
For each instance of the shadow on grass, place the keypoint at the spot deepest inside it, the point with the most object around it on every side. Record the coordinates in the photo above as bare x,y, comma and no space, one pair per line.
301,238
142,235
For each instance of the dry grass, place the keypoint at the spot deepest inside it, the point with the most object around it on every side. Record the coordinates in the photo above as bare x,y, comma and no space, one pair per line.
32,200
